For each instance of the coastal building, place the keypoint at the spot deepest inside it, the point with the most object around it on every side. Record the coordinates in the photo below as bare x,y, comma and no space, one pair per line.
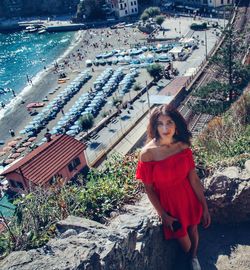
60,158
123,8
218,3
197,3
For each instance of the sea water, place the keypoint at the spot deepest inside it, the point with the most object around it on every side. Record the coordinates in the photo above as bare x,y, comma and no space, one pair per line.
23,55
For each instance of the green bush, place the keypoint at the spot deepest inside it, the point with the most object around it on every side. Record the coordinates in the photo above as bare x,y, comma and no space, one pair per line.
226,140
94,197
198,27
159,20
137,87
155,71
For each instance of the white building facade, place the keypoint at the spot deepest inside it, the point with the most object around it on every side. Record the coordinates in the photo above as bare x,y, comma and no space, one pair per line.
123,8
204,3
219,3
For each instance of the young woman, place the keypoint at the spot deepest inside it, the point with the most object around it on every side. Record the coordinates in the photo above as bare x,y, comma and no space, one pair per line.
167,169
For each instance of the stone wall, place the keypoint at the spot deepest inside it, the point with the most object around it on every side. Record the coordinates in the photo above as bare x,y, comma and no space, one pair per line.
134,240
17,8
228,194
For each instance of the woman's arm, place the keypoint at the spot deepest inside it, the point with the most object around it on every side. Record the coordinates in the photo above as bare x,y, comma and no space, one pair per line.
166,219
154,199
198,189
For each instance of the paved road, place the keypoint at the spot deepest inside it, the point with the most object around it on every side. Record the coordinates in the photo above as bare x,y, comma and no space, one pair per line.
110,135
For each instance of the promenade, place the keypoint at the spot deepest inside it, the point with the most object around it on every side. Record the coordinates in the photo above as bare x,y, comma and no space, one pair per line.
121,136
89,44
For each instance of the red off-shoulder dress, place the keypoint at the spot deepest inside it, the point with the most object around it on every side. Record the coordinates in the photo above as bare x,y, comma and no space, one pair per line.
170,180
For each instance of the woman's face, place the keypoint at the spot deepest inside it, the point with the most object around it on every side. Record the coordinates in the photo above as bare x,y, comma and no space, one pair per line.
166,127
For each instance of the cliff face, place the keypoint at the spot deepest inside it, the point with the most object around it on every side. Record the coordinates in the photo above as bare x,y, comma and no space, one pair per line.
16,8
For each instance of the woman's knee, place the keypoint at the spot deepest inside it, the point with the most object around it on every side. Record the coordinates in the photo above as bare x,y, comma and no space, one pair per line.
185,243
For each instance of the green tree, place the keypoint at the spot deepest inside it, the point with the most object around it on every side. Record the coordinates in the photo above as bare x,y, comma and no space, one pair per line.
159,20
86,122
226,60
144,17
153,11
155,71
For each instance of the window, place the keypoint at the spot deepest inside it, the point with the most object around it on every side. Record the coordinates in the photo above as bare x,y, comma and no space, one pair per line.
73,164
121,6
132,10
16,184
131,3
135,3
125,5
222,2
135,9
126,12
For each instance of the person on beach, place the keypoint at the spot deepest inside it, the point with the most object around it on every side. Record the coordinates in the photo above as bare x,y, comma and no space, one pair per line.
167,170
12,133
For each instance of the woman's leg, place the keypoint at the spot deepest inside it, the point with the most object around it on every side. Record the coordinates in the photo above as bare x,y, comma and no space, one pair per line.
185,243
194,238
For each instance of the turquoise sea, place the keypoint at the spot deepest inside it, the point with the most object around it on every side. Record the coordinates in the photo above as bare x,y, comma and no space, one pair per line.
23,54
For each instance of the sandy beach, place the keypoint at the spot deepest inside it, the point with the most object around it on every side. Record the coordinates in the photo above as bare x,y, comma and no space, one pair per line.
86,45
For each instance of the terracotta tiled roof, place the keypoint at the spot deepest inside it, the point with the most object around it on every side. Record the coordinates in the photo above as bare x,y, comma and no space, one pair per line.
48,159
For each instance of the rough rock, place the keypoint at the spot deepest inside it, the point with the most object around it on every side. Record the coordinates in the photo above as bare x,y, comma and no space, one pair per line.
228,195
134,240
131,241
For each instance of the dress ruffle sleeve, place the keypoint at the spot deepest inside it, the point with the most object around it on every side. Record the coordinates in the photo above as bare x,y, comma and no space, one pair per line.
144,172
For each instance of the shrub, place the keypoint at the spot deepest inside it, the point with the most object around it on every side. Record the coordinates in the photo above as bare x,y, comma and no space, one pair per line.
137,87
37,213
198,27
159,20
155,71
226,140
86,122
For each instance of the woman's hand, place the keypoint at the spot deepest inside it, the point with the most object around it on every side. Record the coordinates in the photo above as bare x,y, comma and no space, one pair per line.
206,219
167,220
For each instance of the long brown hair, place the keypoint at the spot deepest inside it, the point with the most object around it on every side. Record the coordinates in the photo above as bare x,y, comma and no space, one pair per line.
182,133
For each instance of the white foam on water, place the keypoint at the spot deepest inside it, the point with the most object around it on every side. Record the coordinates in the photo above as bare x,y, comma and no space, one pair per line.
11,106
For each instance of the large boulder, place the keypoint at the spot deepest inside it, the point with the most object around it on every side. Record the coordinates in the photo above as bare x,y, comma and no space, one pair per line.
228,194
132,241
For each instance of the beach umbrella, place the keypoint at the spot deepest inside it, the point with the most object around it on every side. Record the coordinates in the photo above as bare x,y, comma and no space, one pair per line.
71,132
2,153
7,148
15,155
31,139
27,143
18,138
12,143
21,149
9,160
74,127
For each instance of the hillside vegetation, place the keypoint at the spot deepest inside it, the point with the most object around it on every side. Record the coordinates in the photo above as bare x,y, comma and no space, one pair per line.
225,142
226,139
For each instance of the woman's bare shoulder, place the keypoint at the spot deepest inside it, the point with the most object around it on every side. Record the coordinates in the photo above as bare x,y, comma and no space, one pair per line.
146,153
183,145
